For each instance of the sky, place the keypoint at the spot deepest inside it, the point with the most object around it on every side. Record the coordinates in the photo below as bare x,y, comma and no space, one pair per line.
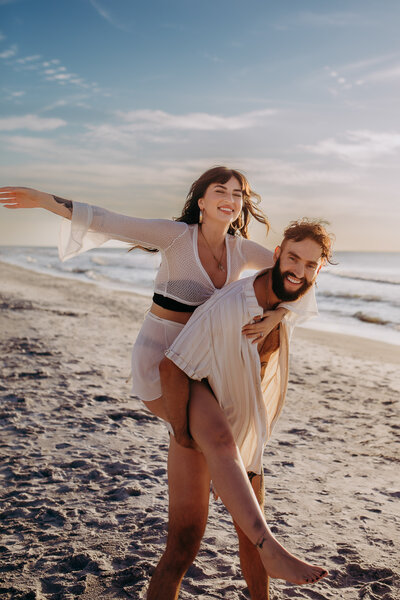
124,103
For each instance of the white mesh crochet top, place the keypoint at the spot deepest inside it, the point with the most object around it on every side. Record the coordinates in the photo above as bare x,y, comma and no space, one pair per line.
181,275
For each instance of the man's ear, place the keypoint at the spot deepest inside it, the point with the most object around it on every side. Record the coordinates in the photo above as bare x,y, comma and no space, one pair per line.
277,253
323,263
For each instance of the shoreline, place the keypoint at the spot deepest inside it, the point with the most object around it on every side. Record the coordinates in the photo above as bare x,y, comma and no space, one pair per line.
84,487
350,344
386,351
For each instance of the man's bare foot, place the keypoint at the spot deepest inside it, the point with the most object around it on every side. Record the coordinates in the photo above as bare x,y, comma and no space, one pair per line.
280,564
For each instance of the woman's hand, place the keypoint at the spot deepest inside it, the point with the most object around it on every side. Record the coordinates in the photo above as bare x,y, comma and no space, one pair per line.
20,197
263,326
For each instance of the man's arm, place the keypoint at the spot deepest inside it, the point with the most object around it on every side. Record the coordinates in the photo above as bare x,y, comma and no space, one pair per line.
175,388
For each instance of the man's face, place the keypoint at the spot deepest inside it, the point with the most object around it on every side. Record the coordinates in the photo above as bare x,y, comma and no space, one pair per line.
296,268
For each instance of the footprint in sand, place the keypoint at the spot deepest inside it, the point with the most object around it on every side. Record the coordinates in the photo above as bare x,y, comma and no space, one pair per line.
373,583
136,415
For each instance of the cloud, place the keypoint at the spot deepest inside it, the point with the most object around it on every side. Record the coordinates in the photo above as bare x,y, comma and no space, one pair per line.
384,75
13,95
158,120
33,146
10,94
70,100
212,58
28,59
362,72
333,19
366,63
54,71
105,14
360,147
288,173
12,51
321,19
31,123
51,70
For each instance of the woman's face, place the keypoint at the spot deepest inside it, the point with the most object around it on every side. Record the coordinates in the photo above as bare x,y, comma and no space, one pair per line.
222,201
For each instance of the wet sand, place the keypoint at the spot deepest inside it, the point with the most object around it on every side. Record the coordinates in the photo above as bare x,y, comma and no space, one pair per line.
83,477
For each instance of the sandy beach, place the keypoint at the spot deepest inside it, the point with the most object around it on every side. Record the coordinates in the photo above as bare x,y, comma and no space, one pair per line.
83,476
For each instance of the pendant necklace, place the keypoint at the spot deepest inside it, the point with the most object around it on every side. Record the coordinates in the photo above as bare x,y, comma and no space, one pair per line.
219,262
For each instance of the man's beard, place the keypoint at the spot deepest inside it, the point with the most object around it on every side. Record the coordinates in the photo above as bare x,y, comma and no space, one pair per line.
278,284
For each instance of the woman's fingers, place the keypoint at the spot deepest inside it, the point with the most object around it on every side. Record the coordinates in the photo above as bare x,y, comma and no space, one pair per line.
7,196
13,197
255,333
252,333
253,328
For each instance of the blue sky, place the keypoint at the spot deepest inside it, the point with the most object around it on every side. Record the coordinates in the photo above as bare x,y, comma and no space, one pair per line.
124,103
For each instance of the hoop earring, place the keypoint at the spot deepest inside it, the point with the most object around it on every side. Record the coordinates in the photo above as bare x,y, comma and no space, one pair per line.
200,217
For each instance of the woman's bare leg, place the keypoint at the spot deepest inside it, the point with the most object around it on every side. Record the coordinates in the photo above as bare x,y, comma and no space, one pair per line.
211,432
252,568
210,429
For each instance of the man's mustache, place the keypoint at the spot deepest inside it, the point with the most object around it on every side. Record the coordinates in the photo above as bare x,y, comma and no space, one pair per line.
301,279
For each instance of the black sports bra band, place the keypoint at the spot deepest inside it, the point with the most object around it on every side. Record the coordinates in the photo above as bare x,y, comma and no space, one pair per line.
171,304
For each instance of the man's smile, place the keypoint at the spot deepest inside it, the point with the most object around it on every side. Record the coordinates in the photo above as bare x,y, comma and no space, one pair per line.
292,279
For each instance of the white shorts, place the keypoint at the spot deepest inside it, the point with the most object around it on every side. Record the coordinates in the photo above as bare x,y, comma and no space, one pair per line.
154,338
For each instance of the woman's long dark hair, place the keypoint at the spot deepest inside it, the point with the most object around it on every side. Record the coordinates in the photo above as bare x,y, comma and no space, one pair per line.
191,211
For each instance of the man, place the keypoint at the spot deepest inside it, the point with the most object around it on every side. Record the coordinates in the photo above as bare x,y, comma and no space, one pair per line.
249,382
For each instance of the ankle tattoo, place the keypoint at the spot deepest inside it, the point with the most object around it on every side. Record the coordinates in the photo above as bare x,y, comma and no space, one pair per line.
261,541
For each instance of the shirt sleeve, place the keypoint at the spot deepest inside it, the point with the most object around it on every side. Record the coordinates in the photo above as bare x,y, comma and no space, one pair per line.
191,349
256,256
92,226
304,308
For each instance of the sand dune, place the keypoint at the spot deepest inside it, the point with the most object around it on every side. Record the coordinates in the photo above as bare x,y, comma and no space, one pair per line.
83,477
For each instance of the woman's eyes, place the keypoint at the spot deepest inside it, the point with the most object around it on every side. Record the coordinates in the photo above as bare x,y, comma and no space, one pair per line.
236,196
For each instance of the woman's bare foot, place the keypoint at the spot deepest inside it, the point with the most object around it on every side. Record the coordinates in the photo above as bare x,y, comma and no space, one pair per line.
280,564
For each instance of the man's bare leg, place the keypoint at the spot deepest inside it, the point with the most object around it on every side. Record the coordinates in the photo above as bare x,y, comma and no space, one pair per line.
189,490
252,568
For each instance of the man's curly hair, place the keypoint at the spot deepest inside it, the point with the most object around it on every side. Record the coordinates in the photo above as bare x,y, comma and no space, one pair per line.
313,229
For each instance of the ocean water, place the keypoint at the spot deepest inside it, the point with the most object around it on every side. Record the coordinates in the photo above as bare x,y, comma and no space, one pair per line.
360,295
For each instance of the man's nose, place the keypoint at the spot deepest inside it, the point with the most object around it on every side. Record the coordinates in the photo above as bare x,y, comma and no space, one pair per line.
298,270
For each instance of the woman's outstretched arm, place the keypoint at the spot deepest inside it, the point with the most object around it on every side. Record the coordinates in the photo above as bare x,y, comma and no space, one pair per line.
91,225
21,197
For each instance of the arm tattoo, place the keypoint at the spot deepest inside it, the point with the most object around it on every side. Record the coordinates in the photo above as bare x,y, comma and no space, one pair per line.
66,203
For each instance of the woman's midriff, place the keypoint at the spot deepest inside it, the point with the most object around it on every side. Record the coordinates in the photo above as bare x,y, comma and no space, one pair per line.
170,315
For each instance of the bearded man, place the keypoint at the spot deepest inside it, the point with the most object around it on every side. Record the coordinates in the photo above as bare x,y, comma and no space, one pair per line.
248,380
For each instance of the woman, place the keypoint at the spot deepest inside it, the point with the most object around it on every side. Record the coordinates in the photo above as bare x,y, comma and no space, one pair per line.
200,253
